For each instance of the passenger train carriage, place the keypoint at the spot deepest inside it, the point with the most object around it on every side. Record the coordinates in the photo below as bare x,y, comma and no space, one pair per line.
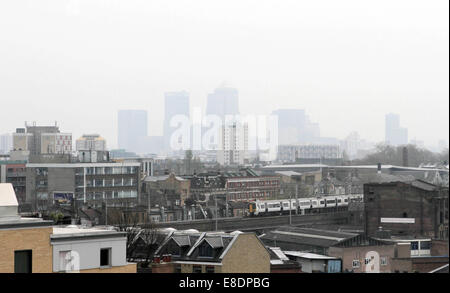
305,205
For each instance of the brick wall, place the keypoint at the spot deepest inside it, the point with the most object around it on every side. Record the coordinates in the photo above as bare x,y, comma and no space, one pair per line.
247,255
359,253
35,239
400,200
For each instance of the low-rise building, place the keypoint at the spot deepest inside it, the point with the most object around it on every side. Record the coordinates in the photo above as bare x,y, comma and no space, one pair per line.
415,208
32,245
25,242
304,239
89,250
360,254
195,252
315,263
118,184
280,262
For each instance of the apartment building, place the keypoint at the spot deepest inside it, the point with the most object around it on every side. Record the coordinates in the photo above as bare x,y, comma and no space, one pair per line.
118,184
32,245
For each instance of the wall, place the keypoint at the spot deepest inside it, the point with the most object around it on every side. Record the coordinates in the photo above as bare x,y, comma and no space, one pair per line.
399,200
353,253
246,255
35,239
188,268
129,268
60,179
89,252
439,247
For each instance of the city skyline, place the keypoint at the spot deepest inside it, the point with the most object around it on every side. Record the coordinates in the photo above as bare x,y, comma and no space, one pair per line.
346,65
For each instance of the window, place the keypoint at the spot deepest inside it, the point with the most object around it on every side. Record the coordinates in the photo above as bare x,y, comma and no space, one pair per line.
355,264
23,261
205,250
105,257
98,182
425,245
209,269
197,269
368,260
414,245
383,261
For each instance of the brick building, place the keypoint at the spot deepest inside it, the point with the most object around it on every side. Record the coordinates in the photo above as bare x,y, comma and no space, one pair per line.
414,208
238,252
361,254
32,245
25,242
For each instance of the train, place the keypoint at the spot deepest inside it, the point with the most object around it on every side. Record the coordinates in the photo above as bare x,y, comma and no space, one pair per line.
305,205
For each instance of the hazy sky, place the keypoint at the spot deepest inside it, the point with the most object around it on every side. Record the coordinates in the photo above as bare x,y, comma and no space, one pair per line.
348,63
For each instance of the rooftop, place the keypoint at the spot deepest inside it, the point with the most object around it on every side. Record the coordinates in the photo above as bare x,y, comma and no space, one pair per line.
71,231
307,255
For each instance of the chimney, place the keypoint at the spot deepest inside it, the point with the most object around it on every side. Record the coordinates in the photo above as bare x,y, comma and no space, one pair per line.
379,168
405,157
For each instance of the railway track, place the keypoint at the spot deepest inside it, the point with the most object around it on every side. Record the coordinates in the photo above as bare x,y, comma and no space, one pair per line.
254,223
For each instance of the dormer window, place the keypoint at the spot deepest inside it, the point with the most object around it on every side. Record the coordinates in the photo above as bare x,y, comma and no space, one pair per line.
205,250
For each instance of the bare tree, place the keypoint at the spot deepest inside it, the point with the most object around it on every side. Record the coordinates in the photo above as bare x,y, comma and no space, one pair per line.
143,238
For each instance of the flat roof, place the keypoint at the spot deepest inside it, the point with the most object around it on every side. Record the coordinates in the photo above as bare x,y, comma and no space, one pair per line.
81,165
19,222
77,229
75,232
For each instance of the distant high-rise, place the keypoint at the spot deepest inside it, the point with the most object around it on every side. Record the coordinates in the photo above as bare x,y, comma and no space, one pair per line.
224,101
394,134
176,103
42,140
132,127
91,142
294,127
233,142
5,143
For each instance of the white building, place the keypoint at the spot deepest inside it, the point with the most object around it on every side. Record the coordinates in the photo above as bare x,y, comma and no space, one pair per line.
233,144
56,143
89,249
291,153
91,142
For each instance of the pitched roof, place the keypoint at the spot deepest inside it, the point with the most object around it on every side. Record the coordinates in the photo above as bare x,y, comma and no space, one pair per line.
361,240
294,236
182,240
215,242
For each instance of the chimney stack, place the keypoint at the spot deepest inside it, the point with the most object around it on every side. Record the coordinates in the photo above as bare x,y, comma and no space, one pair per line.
405,157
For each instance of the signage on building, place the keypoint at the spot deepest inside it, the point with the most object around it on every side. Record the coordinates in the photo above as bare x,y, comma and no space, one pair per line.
398,220
63,198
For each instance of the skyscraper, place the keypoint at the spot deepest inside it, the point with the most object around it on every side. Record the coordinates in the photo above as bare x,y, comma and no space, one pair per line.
394,134
175,103
223,101
132,127
294,127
